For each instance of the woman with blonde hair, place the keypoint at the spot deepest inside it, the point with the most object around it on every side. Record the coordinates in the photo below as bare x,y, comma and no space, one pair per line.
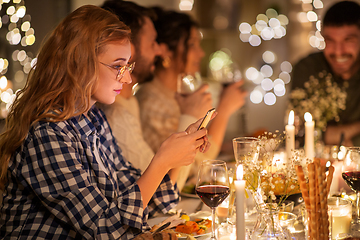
62,172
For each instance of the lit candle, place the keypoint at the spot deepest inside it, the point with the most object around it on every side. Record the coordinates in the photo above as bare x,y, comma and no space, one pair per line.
309,136
240,201
290,136
340,214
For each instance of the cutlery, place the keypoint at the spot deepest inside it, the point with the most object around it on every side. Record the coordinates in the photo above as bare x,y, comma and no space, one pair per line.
162,227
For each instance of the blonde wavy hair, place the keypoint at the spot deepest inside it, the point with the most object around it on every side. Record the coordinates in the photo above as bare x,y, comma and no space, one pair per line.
61,84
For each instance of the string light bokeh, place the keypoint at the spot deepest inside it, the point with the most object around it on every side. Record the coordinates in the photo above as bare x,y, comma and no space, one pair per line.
19,33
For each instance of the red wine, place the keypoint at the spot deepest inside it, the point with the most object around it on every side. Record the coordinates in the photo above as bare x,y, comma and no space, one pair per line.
212,195
352,179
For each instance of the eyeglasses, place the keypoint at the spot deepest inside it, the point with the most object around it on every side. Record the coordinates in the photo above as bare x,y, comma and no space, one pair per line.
121,70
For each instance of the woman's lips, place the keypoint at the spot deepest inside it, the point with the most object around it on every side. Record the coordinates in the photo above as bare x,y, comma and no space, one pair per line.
118,91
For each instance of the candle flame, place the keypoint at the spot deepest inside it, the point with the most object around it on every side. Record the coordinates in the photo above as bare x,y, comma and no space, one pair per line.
291,118
308,117
239,172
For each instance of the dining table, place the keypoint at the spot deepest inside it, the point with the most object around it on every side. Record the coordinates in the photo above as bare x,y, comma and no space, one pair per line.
191,204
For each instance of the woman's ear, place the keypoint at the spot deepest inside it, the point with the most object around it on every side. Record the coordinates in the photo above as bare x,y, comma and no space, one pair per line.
166,55
164,51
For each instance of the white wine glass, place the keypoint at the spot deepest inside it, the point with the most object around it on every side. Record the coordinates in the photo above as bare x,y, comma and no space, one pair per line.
213,186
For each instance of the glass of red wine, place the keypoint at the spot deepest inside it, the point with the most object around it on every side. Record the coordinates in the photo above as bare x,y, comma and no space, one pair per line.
213,186
351,175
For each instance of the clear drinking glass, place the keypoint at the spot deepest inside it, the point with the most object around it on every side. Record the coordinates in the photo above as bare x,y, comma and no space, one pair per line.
213,186
351,175
188,83
246,151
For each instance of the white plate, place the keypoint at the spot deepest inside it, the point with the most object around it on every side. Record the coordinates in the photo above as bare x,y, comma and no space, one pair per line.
193,216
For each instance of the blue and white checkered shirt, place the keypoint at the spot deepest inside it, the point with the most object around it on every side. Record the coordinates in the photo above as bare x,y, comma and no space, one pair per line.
58,190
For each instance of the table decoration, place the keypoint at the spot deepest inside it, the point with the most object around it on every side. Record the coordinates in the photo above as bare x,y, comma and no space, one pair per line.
263,175
309,136
240,203
340,214
290,135
321,96
315,192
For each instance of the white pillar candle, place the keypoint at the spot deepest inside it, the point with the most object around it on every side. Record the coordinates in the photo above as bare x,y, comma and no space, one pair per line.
290,136
309,136
340,214
240,203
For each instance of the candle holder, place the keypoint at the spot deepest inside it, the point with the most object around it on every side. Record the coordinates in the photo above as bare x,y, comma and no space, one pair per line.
268,225
340,215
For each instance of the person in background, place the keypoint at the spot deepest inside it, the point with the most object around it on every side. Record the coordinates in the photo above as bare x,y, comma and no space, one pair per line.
163,111
341,31
123,115
62,171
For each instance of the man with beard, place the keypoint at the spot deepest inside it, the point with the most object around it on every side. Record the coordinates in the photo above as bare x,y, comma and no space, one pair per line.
123,115
341,31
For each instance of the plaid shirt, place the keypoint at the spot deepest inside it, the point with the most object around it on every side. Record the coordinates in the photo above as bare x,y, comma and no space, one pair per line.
58,190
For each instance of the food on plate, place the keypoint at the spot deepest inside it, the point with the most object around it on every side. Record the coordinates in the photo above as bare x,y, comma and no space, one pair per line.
184,225
164,235
174,221
197,227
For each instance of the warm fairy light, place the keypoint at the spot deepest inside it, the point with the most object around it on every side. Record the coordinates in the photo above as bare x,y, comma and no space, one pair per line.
16,24
269,98
3,82
291,118
186,5
240,172
308,117
267,26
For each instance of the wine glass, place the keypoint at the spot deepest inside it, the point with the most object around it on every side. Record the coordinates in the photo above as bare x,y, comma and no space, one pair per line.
351,175
188,83
227,74
213,186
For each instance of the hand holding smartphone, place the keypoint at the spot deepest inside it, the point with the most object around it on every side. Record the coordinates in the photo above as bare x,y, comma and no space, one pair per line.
206,119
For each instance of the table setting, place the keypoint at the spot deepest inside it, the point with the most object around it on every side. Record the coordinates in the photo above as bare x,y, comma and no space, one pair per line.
267,193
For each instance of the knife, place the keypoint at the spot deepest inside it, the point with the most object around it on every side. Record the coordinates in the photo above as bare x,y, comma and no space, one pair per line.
162,227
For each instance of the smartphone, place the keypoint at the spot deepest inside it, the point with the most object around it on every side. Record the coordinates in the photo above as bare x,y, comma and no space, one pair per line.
206,119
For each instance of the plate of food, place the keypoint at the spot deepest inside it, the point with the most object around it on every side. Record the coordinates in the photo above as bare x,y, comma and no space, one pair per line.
185,226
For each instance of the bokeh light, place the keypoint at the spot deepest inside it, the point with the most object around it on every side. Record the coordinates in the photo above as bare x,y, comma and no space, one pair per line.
254,40
256,96
286,67
267,84
268,57
252,73
269,98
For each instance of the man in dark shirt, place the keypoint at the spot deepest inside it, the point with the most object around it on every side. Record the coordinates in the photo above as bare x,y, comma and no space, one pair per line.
341,58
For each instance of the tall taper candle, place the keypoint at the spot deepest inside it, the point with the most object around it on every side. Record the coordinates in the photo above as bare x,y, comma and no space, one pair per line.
290,137
240,203
309,136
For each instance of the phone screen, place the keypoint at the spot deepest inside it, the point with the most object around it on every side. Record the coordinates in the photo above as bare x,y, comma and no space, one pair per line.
206,119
